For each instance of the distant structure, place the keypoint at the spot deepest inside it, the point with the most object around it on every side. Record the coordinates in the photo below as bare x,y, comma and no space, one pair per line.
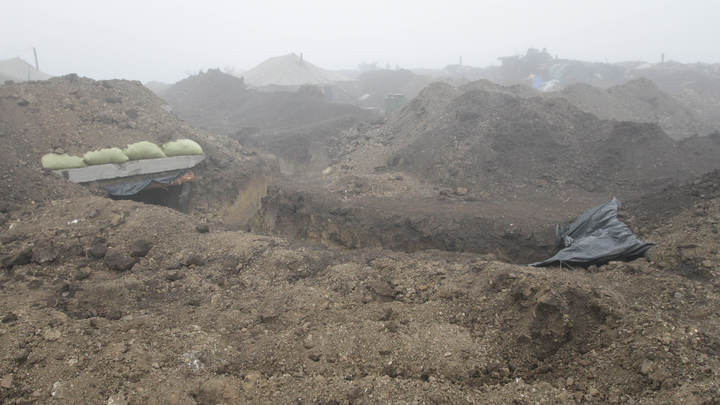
18,70
289,70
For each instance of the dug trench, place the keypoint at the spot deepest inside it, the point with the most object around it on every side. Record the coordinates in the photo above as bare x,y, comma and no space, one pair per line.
513,235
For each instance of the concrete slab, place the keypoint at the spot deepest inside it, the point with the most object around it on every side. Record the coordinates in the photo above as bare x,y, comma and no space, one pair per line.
130,168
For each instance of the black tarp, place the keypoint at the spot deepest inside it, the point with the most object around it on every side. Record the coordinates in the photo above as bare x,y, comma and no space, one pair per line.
134,187
597,236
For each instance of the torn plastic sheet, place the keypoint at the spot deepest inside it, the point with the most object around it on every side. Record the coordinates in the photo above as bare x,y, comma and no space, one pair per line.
134,187
597,236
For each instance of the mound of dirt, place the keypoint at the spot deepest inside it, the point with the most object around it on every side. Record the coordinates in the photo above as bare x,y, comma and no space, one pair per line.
294,126
479,138
289,70
73,115
685,218
697,85
145,309
638,100
371,88
222,103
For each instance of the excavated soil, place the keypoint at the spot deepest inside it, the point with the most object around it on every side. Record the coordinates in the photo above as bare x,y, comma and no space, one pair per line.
638,100
483,168
119,302
361,213
294,126
223,104
485,139
74,115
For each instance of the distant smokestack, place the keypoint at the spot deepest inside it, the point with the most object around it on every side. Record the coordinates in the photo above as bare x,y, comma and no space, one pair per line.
460,60
662,57
37,65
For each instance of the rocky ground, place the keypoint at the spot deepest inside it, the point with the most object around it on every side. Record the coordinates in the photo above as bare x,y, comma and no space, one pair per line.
638,100
119,302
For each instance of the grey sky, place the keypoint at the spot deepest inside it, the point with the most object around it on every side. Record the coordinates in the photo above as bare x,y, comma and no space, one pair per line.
166,39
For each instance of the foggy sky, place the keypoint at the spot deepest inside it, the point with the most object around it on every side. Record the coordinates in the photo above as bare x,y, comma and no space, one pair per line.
167,39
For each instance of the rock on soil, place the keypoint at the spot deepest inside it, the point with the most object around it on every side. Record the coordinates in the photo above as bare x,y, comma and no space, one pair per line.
19,257
118,260
140,248
98,250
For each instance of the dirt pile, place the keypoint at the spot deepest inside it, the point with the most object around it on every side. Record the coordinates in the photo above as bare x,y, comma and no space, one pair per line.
119,301
289,70
686,220
291,125
697,85
222,103
371,88
73,115
480,138
638,100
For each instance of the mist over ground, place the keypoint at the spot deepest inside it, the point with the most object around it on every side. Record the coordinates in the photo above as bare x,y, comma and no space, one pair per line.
164,40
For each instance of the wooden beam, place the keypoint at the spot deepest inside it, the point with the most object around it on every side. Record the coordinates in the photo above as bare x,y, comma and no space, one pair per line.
130,168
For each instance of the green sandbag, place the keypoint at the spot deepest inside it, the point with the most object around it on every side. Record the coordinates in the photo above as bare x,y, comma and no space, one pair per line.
182,147
105,156
53,161
143,150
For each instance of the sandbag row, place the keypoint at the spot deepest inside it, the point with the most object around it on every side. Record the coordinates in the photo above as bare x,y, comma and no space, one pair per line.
135,151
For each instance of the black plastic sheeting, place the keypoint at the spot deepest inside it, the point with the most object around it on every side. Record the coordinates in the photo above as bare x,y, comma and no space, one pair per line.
597,236
134,187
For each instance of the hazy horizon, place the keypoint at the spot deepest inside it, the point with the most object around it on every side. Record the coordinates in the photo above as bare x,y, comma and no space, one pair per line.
167,40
